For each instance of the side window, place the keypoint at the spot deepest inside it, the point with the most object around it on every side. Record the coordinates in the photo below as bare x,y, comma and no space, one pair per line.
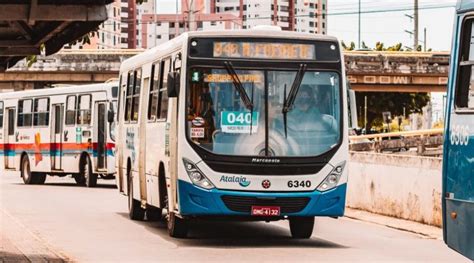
128,96
41,112
71,110
163,107
24,113
465,84
1,114
84,110
11,122
154,89
136,95
120,98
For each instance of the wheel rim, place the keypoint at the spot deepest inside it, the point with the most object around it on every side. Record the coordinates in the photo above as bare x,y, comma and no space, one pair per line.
130,195
86,170
26,170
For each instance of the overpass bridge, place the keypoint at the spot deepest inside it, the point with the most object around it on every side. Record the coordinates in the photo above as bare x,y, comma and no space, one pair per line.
367,71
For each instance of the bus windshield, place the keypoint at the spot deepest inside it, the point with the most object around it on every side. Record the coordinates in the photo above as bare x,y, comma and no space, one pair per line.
219,121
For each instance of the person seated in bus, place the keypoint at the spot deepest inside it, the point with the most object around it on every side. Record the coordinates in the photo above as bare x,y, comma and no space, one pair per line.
310,128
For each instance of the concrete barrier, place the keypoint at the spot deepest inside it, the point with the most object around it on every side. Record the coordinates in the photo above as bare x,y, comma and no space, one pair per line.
407,187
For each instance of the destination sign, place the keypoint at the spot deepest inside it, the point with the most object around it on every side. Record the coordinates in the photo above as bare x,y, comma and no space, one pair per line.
263,50
226,78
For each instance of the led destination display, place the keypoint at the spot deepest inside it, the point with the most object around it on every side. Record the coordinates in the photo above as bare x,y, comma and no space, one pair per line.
262,50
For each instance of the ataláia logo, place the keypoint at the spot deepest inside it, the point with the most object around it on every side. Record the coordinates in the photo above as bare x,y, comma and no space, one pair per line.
241,180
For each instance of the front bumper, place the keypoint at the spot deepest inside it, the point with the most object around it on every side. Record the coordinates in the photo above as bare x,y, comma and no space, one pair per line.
195,201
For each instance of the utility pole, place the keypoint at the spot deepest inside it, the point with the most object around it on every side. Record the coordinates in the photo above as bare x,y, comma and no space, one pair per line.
154,23
424,42
365,115
176,25
415,30
359,21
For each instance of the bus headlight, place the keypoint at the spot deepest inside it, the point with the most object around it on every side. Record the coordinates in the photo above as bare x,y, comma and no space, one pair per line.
196,176
332,179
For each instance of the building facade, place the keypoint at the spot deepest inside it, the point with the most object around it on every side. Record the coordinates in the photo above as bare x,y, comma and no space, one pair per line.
298,15
134,26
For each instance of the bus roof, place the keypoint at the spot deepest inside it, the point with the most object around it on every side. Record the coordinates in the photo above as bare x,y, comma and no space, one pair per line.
150,54
465,6
58,90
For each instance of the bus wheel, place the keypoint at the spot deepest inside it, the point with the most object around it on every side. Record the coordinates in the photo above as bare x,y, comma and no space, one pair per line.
301,227
90,179
26,174
135,211
177,227
154,213
39,178
79,179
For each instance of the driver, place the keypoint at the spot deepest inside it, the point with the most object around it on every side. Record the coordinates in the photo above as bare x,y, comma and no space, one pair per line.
306,117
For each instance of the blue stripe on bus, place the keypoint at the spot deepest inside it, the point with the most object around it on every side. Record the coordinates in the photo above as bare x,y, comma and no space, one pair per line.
194,200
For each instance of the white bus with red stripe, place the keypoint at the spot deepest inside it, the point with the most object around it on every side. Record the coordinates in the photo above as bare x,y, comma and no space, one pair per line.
59,132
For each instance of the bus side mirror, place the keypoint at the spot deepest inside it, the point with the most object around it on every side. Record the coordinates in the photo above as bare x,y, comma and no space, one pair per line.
173,84
110,116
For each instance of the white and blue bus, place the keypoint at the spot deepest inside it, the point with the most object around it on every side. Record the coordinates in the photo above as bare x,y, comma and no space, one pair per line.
239,125
458,165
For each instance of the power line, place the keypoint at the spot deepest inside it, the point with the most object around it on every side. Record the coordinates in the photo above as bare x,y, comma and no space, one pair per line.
401,9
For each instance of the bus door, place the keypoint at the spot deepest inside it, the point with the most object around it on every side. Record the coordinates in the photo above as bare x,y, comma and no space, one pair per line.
101,135
57,136
9,150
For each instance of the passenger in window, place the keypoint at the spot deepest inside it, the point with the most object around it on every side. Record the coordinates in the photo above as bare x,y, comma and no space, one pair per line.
306,117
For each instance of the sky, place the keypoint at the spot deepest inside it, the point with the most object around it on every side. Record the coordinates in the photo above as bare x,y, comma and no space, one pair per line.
386,27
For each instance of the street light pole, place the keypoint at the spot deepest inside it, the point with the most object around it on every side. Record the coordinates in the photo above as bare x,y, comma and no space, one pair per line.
359,21
415,30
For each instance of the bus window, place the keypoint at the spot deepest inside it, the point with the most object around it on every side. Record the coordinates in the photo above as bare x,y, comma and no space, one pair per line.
120,97
11,121
41,112
84,111
136,95
128,97
24,113
154,89
465,88
71,110
115,90
1,114
163,105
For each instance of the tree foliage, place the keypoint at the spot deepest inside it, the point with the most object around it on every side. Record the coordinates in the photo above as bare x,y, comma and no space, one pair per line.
396,103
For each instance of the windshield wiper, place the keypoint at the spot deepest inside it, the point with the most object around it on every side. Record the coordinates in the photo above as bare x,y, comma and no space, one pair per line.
238,85
290,100
295,87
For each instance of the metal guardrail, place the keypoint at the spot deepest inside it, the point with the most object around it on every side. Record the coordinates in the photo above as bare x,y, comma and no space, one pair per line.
379,136
427,142
100,51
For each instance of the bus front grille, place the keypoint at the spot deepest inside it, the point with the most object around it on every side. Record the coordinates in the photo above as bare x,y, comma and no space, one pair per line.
244,203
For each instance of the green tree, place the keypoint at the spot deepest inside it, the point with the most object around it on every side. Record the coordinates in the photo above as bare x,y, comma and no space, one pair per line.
348,48
394,102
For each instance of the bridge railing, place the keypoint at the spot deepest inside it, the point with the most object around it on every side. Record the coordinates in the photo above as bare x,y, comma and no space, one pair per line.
427,142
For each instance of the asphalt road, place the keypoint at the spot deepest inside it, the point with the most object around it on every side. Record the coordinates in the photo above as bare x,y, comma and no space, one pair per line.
92,225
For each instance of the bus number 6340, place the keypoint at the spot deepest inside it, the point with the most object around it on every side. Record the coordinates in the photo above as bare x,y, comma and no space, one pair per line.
299,184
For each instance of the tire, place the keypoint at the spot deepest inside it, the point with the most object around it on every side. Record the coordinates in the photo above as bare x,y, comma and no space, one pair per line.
26,173
154,213
86,174
80,180
39,178
301,227
135,211
177,227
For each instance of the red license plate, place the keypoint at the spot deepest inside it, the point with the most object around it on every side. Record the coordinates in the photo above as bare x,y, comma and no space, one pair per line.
265,210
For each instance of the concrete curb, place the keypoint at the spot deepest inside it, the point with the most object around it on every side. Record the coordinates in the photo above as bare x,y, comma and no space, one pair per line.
424,231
